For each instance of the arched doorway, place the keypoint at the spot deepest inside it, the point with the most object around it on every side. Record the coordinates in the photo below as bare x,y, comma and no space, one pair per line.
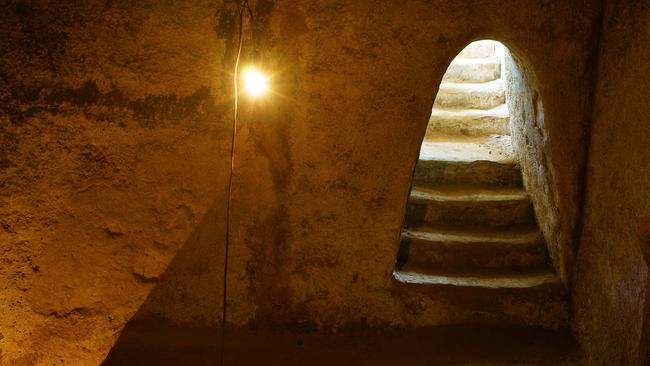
469,221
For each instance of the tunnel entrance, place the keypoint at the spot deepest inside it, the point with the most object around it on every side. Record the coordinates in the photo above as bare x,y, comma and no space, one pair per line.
469,222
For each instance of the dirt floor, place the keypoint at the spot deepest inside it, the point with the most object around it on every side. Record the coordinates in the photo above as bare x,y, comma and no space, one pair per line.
144,344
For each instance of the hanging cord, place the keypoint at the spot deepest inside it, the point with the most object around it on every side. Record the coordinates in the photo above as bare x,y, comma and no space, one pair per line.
243,7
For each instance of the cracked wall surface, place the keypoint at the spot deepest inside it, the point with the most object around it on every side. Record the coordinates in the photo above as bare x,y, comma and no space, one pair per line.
115,133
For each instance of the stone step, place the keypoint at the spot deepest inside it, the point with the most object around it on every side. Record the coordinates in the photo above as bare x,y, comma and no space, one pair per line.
481,161
472,70
479,49
473,249
469,122
498,279
471,95
459,205
534,298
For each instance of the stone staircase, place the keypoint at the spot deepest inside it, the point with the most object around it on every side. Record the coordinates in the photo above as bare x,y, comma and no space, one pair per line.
470,235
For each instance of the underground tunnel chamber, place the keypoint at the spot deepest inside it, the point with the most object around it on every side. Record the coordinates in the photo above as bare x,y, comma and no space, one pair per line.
470,243
469,223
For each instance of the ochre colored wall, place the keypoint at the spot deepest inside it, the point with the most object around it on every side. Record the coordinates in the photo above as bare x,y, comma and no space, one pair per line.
530,138
321,192
611,274
115,127
114,133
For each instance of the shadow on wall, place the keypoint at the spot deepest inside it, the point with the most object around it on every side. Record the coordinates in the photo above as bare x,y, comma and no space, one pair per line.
644,244
189,292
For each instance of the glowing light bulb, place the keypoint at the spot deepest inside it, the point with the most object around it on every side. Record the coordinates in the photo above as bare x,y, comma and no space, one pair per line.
255,83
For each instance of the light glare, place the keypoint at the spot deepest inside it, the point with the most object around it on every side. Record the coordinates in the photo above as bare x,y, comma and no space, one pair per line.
255,83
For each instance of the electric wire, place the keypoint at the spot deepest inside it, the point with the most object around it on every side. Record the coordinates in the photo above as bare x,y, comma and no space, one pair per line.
244,6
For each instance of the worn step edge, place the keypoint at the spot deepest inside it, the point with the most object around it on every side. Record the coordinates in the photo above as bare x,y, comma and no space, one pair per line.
473,253
499,280
473,70
500,111
545,305
485,160
496,86
495,207
485,95
478,50
481,172
488,60
518,234
494,148
468,122
468,194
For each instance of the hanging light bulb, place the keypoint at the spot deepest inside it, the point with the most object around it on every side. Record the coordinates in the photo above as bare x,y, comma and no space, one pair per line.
255,83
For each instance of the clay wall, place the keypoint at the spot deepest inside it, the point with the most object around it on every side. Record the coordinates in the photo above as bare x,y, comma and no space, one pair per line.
114,122
611,278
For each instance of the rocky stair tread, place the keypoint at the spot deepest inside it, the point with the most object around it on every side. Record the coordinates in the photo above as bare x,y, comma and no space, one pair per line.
473,249
480,49
468,194
471,95
531,298
469,205
513,235
482,172
473,70
468,122
496,280
454,160
496,148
